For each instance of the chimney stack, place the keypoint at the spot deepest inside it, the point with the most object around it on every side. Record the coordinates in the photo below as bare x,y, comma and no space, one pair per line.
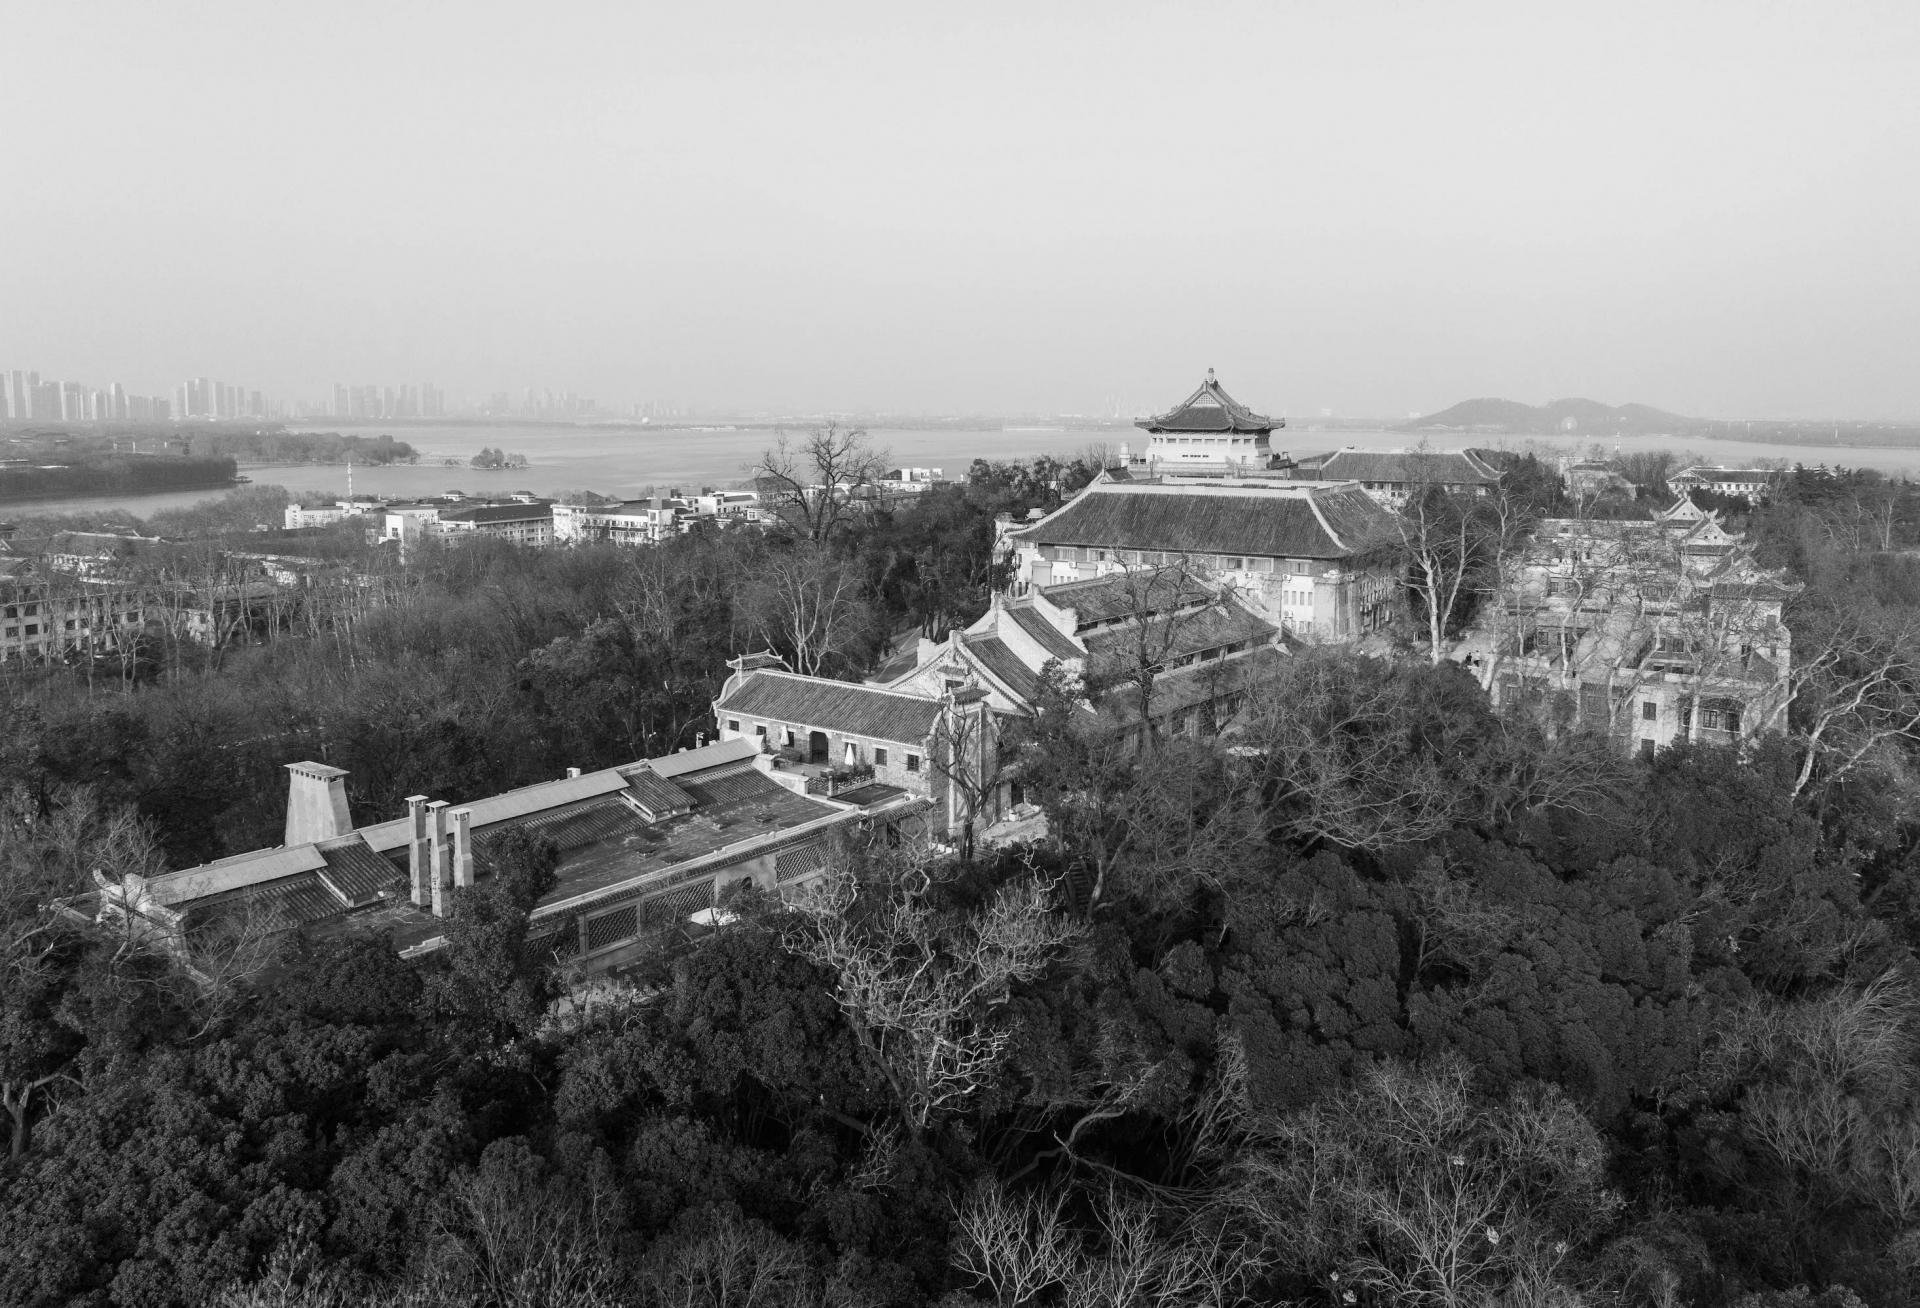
417,853
573,774
463,847
316,803
438,870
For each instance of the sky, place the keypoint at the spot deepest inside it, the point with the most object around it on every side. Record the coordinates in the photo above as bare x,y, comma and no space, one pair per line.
1368,208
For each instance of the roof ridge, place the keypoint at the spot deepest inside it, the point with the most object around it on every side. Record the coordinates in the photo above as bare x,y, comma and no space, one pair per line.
1313,502
835,681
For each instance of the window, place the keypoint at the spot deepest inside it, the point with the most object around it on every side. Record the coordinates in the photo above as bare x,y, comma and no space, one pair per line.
1646,749
852,755
1649,711
879,756
913,762
33,629
733,724
760,730
1299,567
1721,715
1235,564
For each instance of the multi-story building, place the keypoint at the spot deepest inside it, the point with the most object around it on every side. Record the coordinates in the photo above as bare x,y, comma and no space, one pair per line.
1650,631
296,517
647,850
1209,431
645,522
1747,483
1315,557
523,522
47,619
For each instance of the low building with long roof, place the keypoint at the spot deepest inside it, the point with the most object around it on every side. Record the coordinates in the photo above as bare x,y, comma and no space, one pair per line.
645,847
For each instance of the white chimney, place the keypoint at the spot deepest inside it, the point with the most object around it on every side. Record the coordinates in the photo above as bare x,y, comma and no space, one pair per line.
438,870
316,803
418,855
463,847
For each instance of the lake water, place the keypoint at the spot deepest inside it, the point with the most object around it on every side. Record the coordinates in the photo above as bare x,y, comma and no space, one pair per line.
625,462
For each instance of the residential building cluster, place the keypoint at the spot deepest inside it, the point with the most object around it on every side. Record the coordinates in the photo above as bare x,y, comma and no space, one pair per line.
1653,631
527,519
76,595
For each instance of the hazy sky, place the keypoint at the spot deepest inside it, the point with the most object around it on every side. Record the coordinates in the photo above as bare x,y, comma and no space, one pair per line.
1368,207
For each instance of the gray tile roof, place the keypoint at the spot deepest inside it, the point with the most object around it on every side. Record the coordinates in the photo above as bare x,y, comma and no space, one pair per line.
1297,522
491,513
1049,637
1210,409
842,706
356,873
1128,594
1407,467
1004,665
1179,634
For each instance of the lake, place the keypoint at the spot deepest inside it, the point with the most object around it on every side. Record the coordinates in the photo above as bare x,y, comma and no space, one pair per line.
626,461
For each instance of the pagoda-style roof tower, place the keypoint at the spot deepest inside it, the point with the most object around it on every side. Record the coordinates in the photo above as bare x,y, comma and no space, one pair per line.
1210,410
1209,432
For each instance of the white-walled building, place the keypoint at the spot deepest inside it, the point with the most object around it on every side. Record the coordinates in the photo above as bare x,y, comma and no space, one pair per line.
1311,556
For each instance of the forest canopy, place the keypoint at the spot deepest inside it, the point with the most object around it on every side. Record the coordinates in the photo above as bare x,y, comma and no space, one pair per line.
1396,998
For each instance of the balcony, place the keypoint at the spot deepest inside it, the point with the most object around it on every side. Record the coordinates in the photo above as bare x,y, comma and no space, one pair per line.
822,778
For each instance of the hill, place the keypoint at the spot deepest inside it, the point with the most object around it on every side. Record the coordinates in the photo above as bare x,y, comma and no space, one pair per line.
1510,417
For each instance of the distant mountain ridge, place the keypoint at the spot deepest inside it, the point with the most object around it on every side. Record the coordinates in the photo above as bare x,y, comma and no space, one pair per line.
1587,417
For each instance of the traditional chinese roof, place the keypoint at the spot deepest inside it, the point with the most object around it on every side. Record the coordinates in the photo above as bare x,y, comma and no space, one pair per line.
1049,637
1407,467
1127,594
1175,635
800,701
999,661
1210,409
1283,521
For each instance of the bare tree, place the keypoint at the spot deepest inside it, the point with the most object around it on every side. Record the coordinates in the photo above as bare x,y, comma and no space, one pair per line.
925,990
1339,759
966,756
812,484
1454,549
1162,611
1136,1249
515,1236
807,602
1413,1190
1856,697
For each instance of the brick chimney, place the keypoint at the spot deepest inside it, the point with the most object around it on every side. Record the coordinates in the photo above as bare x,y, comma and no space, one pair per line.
316,803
